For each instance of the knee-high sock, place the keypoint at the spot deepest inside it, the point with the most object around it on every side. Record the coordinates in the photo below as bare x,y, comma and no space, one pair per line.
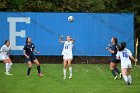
28,71
125,78
113,72
70,69
7,68
38,68
129,78
64,72
117,70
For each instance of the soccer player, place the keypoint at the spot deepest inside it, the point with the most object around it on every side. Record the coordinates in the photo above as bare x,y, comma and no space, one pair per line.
125,55
67,55
29,48
4,56
114,61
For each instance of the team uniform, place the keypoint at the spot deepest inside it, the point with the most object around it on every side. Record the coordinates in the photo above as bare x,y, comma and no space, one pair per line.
29,52
67,50
4,52
29,49
67,55
114,60
125,63
113,55
124,56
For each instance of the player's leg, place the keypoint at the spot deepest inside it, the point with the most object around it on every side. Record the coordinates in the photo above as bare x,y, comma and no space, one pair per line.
9,65
2,58
29,63
124,73
112,66
129,76
70,68
64,68
6,66
38,67
117,70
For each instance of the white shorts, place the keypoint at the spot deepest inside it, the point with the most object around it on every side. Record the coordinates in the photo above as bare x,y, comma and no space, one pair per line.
3,57
126,66
67,56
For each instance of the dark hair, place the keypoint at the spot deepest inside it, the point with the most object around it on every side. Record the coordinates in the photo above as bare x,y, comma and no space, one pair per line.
6,41
27,39
122,47
115,40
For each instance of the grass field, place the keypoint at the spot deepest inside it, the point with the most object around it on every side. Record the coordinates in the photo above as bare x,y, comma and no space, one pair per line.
87,78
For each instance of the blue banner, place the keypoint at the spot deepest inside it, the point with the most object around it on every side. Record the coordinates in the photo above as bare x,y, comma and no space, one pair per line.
92,31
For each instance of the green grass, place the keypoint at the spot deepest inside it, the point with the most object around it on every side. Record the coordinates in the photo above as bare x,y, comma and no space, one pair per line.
87,78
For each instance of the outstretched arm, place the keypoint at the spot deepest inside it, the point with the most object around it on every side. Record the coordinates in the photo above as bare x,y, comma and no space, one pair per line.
132,58
72,39
111,51
60,40
36,51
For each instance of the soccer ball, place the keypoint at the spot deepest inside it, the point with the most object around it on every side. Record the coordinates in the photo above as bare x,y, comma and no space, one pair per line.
70,18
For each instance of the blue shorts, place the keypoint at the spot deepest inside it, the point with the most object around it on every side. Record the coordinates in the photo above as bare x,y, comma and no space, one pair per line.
31,59
114,60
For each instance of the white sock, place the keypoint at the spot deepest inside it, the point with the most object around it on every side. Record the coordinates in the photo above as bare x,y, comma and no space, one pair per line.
70,69
64,72
129,78
7,68
125,78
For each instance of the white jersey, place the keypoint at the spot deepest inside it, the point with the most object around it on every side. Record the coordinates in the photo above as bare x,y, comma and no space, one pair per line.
67,49
4,51
124,56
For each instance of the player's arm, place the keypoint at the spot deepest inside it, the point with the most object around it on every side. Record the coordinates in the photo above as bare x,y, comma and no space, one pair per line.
24,52
111,51
0,50
60,40
72,39
118,56
9,51
132,58
36,51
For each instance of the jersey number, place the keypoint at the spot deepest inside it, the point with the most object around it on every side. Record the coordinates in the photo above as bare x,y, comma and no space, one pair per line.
125,54
31,49
66,47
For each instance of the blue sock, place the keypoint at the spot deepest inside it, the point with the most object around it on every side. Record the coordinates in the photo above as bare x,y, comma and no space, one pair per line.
117,70
113,72
38,68
28,72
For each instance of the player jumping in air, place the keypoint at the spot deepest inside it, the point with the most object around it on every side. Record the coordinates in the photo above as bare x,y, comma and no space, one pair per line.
4,56
67,54
29,48
114,61
125,54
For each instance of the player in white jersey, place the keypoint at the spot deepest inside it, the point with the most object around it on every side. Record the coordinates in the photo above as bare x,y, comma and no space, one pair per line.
4,56
125,55
67,54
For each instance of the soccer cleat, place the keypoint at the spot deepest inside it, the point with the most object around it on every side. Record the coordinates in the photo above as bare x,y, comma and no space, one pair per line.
130,83
8,74
64,77
70,77
40,74
127,83
120,75
115,78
